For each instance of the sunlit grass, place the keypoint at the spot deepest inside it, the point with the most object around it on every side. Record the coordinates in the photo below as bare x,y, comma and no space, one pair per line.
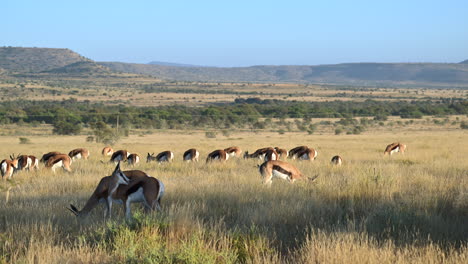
408,208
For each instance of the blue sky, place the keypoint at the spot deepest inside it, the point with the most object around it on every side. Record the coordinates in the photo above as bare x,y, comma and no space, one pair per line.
242,33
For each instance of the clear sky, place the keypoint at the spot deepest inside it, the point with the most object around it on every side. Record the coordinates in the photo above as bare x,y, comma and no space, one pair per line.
242,33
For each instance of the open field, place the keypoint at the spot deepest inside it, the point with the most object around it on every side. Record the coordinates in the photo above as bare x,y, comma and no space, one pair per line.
410,208
147,91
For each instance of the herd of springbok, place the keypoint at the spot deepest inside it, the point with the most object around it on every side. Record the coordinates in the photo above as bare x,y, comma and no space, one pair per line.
135,186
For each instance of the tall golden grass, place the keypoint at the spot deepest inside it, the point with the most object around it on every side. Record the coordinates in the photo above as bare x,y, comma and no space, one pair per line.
410,208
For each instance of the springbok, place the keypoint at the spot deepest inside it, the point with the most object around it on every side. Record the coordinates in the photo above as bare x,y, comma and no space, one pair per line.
27,162
282,153
124,187
292,154
48,155
337,160
119,155
165,156
219,155
259,153
280,169
8,167
271,154
59,160
79,153
107,151
133,159
394,148
191,155
233,151
307,154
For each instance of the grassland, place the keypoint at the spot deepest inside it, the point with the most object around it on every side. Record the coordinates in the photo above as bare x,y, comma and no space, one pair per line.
410,208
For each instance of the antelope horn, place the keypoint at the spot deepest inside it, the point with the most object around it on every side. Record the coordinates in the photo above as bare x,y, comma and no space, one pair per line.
313,178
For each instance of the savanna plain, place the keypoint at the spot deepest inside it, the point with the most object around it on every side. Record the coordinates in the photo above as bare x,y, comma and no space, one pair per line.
410,208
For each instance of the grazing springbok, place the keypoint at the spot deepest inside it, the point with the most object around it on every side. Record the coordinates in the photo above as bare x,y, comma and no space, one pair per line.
282,153
394,148
107,151
258,154
79,153
27,162
307,154
271,154
233,151
133,159
337,160
48,155
191,155
292,154
119,155
8,167
165,156
59,160
124,187
280,169
219,155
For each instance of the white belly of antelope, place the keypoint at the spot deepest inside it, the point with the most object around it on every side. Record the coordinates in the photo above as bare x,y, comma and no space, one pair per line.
57,165
277,174
77,156
305,157
397,149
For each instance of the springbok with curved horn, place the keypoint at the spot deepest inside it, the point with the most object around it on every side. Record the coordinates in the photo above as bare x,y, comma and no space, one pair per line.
79,153
395,147
59,160
282,170
337,160
124,187
8,167
165,156
27,162
119,155
107,151
233,151
191,155
259,153
219,155
133,159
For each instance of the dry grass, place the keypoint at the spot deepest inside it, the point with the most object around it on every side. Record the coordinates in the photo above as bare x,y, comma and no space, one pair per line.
410,208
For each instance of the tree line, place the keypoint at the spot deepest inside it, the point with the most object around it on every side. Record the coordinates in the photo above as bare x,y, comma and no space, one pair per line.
69,116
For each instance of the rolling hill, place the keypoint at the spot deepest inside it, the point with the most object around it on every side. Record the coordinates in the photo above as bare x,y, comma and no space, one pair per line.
14,60
431,74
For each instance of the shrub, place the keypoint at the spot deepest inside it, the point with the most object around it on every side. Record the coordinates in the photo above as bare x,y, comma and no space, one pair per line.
210,134
24,140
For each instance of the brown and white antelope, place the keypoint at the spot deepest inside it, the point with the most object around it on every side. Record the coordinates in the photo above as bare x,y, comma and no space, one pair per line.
217,155
119,155
133,159
48,155
107,151
337,160
279,169
27,162
233,151
8,167
191,155
292,154
124,187
282,153
394,148
165,156
258,154
59,160
271,154
307,154
79,153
